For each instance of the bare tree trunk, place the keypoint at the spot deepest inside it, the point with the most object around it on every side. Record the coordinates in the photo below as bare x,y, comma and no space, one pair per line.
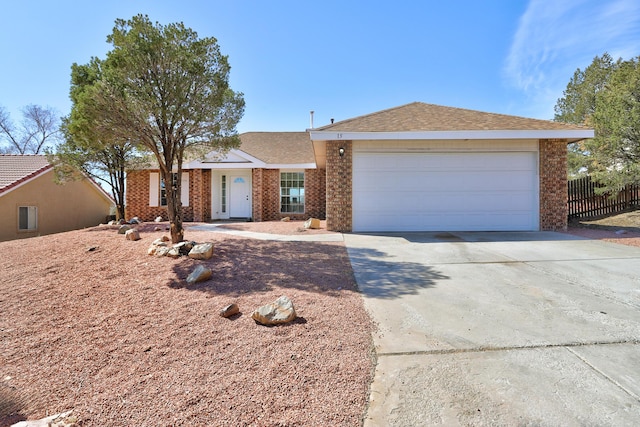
121,176
174,208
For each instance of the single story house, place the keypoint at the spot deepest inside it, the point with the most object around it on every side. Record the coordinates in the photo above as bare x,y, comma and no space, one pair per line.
32,204
417,167
271,176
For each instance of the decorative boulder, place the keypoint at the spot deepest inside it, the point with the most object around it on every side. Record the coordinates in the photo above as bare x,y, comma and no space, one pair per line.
202,251
199,274
312,223
286,219
134,220
161,251
158,219
230,310
124,228
132,234
278,312
173,252
159,242
184,247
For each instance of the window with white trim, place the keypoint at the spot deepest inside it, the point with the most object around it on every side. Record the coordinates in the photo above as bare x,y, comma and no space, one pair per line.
292,192
223,193
27,218
163,188
158,189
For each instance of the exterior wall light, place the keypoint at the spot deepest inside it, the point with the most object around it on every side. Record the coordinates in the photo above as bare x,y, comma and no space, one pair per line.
341,151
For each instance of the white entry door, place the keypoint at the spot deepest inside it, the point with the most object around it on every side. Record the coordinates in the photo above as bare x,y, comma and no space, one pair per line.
240,196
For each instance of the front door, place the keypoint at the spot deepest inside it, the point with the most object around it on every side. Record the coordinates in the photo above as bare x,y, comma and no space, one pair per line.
240,196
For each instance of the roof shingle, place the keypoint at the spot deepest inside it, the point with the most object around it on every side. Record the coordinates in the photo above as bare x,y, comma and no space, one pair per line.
278,147
419,116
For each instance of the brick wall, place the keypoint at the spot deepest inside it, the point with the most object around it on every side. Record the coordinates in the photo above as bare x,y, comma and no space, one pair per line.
138,198
553,184
315,194
339,177
200,194
266,195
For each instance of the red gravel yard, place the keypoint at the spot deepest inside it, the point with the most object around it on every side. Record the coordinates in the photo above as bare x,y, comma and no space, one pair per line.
91,323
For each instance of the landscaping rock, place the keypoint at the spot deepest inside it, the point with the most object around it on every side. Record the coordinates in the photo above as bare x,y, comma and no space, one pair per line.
124,228
134,220
202,251
199,274
312,223
59,420
159,242
185,247
286,219
278,312
158,219
161,251
132,234
230,310
173,252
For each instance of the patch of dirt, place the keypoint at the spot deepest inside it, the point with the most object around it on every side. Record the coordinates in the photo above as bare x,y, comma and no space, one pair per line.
622,228
91,323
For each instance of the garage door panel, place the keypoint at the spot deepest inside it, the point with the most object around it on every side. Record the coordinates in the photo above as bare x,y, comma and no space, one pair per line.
444,191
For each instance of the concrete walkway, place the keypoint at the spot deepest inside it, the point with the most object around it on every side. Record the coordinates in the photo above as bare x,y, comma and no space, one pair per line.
332,237
501,329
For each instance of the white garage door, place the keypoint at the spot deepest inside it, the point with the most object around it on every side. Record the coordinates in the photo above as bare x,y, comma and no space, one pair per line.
445,191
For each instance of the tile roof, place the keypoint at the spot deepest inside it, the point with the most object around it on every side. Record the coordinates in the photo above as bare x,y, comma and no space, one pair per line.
278,147
419,116
16,169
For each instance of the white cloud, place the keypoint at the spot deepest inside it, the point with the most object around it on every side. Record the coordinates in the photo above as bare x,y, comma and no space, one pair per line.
554,38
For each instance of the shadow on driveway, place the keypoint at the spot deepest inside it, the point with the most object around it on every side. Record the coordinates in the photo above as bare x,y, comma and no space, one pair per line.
386,279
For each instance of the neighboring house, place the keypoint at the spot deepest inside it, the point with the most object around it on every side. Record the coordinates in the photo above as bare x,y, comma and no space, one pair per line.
32,204
416,167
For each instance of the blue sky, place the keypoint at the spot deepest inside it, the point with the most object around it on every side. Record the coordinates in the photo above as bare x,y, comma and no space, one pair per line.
339,58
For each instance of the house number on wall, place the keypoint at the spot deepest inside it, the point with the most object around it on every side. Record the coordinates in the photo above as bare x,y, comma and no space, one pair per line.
339,136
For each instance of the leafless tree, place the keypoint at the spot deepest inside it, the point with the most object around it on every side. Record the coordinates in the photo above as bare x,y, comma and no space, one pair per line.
40,126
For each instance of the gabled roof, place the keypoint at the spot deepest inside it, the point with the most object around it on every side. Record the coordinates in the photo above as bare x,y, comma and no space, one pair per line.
419,116
278,147
263,150
17,169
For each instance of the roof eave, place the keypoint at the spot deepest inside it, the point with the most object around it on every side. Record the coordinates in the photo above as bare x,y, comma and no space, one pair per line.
569,134
25,180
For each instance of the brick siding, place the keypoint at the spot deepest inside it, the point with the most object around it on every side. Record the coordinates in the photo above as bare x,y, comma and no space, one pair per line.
553,184
138,198
200,194
266,195
339,178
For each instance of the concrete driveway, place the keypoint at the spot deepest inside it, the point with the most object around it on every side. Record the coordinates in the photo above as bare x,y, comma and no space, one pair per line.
501,328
